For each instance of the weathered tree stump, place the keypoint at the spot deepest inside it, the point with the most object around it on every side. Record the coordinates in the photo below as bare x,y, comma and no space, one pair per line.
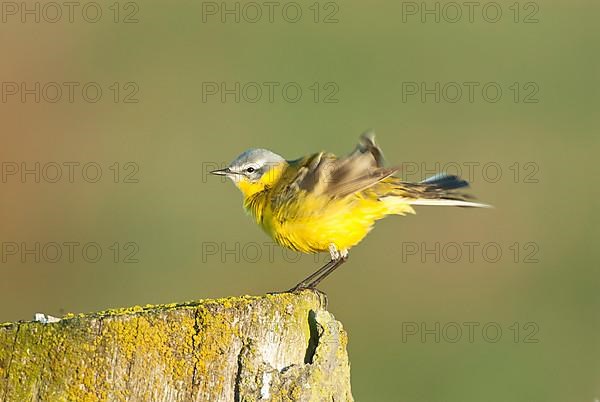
283,347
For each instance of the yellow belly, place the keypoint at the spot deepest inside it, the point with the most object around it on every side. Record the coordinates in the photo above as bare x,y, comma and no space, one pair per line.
312,225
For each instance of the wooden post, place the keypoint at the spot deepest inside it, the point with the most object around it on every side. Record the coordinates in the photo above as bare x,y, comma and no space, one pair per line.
283,347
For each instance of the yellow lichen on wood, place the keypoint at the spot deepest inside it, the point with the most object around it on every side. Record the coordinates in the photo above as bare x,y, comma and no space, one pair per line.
275,347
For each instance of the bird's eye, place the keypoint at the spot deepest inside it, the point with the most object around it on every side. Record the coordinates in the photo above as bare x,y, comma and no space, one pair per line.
250,169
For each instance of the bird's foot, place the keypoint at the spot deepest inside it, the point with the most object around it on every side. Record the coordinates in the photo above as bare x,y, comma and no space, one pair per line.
296,289
302,287
299,288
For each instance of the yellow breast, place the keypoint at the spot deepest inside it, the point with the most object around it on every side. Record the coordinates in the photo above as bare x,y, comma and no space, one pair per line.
310,225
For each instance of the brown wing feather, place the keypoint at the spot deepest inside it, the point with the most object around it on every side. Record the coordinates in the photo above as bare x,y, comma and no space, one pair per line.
397,187
367,145
325,174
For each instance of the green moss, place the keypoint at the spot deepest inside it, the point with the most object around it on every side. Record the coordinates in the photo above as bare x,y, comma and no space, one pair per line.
103,355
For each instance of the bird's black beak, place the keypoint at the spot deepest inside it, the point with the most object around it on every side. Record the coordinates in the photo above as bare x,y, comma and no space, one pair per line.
221,172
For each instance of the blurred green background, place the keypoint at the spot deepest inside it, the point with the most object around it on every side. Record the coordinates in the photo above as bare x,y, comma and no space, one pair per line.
183,224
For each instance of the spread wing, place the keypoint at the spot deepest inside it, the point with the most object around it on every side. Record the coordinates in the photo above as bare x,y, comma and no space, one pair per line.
325,175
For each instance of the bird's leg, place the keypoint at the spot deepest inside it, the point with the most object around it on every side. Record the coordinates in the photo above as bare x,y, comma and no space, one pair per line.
342,259
306,281
337,259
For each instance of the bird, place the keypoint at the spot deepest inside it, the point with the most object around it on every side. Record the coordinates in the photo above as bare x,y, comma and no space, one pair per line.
323,203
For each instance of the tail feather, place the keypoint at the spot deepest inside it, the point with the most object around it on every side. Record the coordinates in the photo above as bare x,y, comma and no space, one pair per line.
449,203
445,181
439,190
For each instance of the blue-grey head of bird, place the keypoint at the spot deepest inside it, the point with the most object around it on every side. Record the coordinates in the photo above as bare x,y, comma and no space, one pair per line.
254,170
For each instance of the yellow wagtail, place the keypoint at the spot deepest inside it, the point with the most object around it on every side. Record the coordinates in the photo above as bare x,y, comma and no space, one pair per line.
323,203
